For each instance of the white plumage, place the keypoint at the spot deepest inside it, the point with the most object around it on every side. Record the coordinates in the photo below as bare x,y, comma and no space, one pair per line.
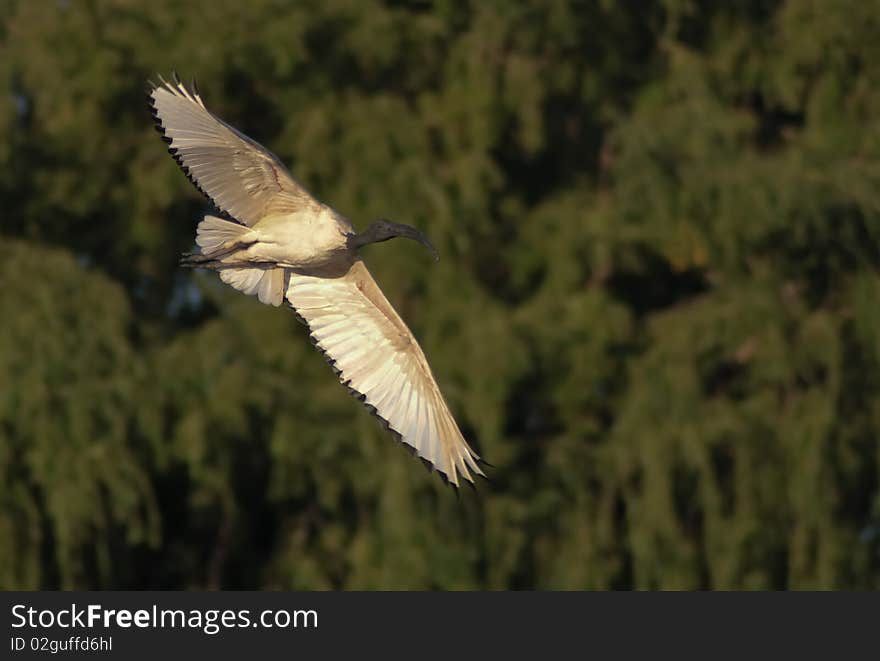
284,245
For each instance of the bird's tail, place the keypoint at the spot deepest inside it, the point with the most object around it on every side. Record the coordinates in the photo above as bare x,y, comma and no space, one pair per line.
216,235
218,240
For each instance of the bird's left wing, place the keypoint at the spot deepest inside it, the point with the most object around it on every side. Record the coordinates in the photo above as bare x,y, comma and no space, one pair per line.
239,175
379,359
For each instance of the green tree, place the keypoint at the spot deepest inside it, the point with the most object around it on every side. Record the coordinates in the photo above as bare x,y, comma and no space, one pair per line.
655,311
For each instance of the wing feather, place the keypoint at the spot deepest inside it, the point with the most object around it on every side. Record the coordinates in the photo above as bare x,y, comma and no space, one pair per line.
377,357
240,176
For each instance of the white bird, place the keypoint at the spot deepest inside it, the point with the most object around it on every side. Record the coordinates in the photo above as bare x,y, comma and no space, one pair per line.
282,244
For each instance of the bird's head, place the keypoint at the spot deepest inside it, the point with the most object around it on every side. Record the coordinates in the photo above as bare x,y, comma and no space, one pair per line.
384,229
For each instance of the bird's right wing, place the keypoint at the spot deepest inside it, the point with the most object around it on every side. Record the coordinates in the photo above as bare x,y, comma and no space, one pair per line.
378,358
240,176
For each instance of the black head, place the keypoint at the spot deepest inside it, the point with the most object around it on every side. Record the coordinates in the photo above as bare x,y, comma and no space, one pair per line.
383,229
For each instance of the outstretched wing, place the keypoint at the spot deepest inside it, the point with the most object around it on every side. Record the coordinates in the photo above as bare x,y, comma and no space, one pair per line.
240,176
378,358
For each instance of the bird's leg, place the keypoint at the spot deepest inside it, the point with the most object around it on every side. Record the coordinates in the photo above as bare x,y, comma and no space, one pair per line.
218,264
225,249
195,259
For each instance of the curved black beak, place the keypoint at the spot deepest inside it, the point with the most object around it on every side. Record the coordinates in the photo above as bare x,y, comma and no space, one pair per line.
382,230
416,235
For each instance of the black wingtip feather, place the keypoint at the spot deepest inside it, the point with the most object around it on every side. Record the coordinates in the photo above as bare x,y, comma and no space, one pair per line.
173,151
372,409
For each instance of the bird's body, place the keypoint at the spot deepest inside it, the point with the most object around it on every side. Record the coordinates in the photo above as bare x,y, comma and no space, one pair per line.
299,240
283,245
302,240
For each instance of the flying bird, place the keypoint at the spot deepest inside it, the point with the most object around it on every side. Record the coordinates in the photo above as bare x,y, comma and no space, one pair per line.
279,243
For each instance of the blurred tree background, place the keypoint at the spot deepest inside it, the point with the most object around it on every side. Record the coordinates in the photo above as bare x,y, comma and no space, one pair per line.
656,311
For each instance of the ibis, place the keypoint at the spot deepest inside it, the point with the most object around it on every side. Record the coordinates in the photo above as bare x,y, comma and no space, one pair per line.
274,240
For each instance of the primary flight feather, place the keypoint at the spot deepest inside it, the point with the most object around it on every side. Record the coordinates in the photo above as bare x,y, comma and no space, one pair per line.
283,245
